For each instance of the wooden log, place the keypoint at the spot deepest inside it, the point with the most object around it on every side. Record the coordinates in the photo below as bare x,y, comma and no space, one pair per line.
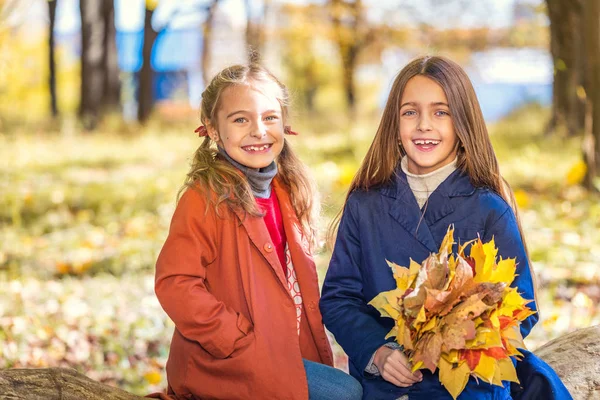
56,384
576,359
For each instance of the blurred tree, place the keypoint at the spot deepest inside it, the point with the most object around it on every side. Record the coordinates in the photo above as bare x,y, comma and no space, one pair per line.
591,142
308,67
207,41
146,79
352,34
567,49
255,29
100,85
51,61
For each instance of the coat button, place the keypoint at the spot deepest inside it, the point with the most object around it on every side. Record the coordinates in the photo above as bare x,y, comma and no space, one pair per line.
268,247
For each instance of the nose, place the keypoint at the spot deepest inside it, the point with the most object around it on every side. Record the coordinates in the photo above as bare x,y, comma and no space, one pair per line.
424,124
258,130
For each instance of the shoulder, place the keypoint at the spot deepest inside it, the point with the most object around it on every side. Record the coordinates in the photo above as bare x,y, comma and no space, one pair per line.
490,204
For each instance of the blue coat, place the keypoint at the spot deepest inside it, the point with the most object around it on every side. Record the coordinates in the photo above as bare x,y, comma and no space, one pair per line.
385,223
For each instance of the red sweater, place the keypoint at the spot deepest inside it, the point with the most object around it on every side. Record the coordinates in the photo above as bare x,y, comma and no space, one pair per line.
274,222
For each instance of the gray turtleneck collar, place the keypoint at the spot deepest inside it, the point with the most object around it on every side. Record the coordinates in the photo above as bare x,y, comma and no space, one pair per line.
259,178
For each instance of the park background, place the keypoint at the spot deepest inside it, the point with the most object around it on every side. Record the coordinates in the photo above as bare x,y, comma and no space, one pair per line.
98,106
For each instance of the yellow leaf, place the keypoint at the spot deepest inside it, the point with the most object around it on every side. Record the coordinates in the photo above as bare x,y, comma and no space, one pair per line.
417,366
511,301
152,377
421,317
577,173
404,276
504,271
454,376
507,370
485,259
451,356
447,242
388,303
486,368
429,325
393,332
522,198
484,339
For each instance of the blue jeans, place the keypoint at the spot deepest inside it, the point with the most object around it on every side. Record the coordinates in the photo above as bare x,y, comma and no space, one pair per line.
327,383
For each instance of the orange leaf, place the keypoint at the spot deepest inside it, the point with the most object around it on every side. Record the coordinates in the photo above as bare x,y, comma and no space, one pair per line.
472,357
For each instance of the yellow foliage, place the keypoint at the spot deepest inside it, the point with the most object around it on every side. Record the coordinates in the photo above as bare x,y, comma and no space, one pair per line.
153,377
522,198
486,368
454,376
577,173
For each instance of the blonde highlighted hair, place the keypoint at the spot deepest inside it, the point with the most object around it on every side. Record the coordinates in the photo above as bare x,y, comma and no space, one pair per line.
221,182
476,155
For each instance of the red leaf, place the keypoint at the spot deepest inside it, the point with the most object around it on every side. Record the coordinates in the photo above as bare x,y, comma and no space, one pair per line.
472,357
496,352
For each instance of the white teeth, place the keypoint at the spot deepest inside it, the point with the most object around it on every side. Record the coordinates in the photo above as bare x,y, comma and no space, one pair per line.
425,142
257,148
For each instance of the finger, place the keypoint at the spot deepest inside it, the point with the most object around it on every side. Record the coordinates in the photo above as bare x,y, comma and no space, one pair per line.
393,380
398,372
401,364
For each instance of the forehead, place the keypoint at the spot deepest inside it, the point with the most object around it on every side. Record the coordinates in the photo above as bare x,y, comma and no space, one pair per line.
254,96
420,88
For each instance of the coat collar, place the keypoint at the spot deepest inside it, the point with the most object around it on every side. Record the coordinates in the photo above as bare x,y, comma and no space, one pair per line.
416,221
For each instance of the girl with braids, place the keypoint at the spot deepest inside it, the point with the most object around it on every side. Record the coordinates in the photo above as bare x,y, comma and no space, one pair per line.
431,165
236,274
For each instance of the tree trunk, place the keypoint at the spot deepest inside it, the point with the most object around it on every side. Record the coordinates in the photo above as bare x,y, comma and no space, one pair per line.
51,61
574,357
56,384
92,58
254,34
351,37
591,142
146,77
112,82
566,47
207,42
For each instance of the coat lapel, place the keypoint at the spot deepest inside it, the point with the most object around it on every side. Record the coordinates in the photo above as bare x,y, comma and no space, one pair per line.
259,236
405,211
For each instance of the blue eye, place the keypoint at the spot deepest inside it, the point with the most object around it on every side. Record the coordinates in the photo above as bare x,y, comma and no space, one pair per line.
239,120
442,113
409,113
271,117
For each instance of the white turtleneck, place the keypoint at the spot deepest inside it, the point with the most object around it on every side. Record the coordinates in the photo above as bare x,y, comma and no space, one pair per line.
423,185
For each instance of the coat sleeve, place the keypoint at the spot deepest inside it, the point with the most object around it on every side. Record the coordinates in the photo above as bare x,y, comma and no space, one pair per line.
345,311
180,283
509,243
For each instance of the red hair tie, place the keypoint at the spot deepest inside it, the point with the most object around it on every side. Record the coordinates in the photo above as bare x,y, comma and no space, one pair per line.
288,131
201,131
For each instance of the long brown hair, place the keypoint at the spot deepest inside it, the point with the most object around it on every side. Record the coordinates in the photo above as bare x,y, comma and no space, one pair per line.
221,182
475,156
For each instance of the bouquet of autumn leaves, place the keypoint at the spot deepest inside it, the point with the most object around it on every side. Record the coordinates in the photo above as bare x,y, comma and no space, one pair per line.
458,314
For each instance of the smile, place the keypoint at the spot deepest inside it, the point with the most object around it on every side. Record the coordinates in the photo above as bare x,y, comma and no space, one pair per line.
422,142
257,148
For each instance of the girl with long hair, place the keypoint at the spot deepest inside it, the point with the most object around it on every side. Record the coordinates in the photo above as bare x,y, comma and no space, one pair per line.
431,165
236,274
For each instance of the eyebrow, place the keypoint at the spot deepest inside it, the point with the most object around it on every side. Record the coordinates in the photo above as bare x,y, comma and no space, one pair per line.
248,112
435,103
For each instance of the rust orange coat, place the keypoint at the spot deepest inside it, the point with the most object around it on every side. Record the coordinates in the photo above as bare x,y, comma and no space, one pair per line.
221,282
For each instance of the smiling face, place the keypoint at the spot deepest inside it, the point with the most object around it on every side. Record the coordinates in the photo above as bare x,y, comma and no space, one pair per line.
426,127
249,124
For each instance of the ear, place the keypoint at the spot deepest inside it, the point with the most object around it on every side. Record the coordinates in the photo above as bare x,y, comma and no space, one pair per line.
212,132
